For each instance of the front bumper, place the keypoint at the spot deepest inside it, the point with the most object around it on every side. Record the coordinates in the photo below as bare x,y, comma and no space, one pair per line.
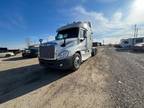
57,64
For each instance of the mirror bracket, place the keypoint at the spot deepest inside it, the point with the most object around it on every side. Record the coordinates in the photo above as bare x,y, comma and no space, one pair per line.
82,39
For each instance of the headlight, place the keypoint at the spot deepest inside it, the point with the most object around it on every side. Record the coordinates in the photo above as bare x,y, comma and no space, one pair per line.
63,54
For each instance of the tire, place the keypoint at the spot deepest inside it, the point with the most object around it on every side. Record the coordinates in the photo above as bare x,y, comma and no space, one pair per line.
76,61
23,56
94,51
7,55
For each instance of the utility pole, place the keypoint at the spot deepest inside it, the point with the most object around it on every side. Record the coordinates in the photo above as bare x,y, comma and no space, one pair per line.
103,42
136,30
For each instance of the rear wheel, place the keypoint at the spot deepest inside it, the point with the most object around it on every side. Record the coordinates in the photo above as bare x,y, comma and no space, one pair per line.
94,51
7,55
76,61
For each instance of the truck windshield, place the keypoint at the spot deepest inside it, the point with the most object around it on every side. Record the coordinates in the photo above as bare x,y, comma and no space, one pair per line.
68,33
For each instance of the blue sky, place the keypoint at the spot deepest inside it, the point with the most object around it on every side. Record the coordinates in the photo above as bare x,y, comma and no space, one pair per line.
34,19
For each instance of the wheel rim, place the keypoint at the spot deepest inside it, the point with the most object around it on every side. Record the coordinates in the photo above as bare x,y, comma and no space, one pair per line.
77,62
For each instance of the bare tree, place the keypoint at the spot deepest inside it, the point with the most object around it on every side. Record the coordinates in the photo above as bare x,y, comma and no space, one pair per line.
28,42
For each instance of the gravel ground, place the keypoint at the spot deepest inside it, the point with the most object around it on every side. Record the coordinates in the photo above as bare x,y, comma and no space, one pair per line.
111,79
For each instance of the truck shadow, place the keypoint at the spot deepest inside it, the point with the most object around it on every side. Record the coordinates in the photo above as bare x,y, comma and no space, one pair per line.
20,81
123,50
128,50
15,59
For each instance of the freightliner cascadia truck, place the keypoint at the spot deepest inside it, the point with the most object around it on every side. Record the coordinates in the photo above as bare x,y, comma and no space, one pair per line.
72,46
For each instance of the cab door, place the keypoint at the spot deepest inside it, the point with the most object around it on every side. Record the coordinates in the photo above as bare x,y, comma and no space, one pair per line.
84,46
82,39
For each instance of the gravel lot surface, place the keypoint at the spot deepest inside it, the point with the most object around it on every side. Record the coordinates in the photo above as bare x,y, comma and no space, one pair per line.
111,79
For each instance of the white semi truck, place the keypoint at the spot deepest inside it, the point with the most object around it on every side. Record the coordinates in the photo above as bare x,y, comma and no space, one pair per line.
72,46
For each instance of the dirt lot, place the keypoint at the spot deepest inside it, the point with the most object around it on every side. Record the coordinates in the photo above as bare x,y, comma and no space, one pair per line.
111,79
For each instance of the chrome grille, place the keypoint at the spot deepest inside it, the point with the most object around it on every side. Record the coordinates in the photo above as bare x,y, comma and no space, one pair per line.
47,52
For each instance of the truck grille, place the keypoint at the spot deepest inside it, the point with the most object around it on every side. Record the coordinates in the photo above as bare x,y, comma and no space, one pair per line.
47,52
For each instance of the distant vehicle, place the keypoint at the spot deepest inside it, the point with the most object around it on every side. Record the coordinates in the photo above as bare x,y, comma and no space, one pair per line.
15,51
31,52
95,44
117,45
5,53
72,46
130,42
139,47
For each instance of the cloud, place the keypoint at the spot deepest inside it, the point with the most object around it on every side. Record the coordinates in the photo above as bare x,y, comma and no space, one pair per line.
96,18
45,37
99,20
101,24
106,0
102,1
12,21
118,26
51,38
136,12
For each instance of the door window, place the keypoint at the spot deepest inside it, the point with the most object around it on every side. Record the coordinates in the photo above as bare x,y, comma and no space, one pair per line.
139,40
82,33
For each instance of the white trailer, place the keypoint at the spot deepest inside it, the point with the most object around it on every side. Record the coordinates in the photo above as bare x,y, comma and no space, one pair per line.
72,46
130,42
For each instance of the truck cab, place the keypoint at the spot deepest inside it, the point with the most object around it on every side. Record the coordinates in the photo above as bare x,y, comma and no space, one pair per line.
72,46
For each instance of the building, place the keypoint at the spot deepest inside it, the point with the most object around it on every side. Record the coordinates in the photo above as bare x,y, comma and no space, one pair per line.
130,42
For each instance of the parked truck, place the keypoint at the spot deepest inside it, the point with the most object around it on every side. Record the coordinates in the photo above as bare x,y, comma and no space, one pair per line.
72,46
30,52
4,52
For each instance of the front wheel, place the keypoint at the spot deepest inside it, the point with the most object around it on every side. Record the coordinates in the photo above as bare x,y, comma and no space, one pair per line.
76,61
7,55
